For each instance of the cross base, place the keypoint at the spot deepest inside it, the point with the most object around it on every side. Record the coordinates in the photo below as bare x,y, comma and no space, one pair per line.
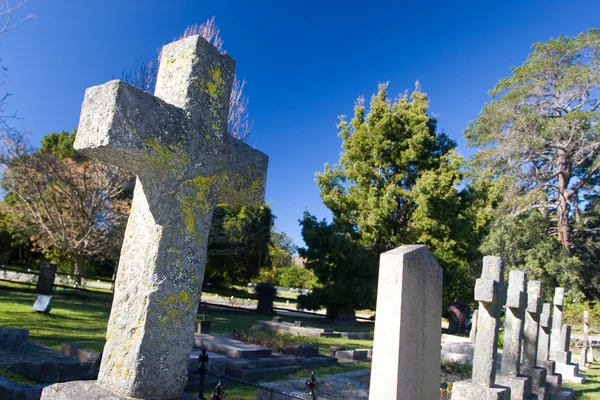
90,390
467,390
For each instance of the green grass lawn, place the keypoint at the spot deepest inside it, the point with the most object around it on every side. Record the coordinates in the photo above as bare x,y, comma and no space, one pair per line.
590,390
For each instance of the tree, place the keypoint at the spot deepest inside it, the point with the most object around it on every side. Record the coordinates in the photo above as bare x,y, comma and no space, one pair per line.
346,271
237,244
397,182
238,120
74,207
539,137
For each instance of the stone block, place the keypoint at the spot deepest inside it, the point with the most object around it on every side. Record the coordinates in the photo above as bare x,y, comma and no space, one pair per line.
216,364
354,355
555,382
12,337
570,373
335,349
467,390
559,296
299,323
516,295
79,353
230,347
406,360
486,290
88,390
520,386
545,316
537,374
562,357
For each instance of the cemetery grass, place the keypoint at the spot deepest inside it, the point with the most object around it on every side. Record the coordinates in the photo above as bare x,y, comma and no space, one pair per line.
81,317
590,390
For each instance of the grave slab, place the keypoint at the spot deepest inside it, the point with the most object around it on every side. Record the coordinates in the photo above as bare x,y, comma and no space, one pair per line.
230,347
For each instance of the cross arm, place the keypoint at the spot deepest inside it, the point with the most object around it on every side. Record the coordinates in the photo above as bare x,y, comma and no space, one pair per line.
122,125
244,175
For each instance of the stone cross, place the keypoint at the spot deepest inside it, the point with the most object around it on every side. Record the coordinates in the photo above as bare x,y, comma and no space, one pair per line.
406,349
584,344
490,293
530,331
177,145
473,332
516,302
562,354
559,296
543,352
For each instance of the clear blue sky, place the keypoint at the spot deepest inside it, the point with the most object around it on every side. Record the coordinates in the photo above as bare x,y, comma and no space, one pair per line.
305,62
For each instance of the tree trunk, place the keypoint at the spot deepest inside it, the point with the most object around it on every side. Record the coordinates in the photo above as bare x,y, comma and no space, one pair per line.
79,271
563,206
346,317
332,312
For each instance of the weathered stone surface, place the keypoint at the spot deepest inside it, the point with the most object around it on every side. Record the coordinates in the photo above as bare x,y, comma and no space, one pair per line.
513,325
79,353
45,281
543,351
354,355
520,386
473,332
216,364
486,344
482,385
177,145
555,346
531,325
467,390
406,353
230,347
90,390
13,337
584,341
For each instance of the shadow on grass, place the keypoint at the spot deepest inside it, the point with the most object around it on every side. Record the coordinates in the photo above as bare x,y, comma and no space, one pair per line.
590,390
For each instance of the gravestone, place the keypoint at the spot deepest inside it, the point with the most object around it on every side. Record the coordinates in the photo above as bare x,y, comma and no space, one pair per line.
530,341
559,295
177,145
46,278
564,366
42,303
406,349
490,292
543,353
584,341
510,369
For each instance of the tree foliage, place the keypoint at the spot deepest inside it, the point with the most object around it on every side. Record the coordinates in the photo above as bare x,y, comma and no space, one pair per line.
540,135
397,182
69,206
237,244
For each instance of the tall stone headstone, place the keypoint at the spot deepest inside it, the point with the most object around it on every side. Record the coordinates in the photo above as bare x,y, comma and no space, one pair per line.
177,145
530,341
46,278
406,349
543,352
516,303
584,341
490,292
559,296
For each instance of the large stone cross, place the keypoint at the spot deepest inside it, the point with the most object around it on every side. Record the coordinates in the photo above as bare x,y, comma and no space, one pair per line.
532,325
490,292
555,345
516,302
177,145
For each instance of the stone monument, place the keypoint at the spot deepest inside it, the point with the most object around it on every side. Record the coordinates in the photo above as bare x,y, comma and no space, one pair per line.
406,349
530,341
584,341
560,340
45,281
543,353
177,145
510,370
490,292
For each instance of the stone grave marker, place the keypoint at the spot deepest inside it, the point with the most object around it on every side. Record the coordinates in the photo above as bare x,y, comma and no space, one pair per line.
46,278
406,349
177,145
543,353
490,292
584,341
510,369
559,294
42,303
530,340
